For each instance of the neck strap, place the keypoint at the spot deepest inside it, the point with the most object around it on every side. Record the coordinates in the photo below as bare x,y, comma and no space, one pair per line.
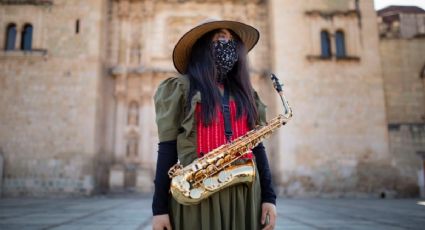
226,114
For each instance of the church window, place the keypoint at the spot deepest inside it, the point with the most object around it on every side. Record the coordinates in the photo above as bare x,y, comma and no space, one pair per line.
10,37
325,44
340,44
26,43
77,26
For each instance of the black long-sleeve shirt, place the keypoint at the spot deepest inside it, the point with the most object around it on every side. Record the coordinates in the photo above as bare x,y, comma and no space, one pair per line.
167,157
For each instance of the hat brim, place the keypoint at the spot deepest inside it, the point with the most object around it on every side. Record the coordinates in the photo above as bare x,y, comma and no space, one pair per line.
181,53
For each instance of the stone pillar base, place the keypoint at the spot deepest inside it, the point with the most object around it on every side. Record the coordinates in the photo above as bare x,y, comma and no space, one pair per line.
116,178
144,181
421,183
1,172
421,175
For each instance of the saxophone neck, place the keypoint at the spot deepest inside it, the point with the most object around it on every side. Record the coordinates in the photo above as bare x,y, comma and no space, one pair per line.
287,109
279,88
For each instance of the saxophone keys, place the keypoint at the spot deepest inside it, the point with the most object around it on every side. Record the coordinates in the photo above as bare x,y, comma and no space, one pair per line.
211,183
224,176
181,183
196,193
210,169
227,158
199,175
219,163
185,185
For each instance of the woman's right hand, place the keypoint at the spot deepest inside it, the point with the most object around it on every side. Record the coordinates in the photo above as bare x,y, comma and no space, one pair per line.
159,222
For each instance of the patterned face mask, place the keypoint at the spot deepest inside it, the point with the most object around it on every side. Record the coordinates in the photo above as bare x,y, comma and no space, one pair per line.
225,56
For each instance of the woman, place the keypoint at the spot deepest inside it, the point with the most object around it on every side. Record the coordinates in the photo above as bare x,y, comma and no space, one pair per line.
212,59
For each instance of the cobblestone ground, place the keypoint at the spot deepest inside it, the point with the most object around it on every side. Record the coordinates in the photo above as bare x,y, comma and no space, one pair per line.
134,213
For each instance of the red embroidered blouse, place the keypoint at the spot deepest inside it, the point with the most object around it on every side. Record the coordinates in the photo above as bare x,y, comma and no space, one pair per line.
212,136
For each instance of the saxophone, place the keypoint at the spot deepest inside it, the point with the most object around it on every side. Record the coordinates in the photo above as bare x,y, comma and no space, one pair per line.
218,169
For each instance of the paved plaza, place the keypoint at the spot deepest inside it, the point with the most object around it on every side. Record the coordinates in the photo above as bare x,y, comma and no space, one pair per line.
134,213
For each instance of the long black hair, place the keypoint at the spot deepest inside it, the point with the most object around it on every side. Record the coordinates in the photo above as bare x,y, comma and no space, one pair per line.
203,78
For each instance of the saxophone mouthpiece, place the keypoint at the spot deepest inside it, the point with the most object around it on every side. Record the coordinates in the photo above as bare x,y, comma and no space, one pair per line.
276,83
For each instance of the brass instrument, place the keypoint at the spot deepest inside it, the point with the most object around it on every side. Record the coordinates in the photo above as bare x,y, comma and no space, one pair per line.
219,169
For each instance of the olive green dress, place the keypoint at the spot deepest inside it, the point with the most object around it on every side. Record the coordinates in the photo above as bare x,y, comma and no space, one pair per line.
235,207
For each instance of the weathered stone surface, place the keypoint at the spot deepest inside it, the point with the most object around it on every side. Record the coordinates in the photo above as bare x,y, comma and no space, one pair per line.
116,178
51,117
337,141
77,115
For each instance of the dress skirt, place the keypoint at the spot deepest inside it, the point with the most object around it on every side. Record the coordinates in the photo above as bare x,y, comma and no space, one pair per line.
233,208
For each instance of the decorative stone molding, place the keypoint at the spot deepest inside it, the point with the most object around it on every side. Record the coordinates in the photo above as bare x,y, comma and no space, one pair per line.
139,70
118,70
26,2
149,9
24,53
124,9
121,87
333,58
332,14
201,1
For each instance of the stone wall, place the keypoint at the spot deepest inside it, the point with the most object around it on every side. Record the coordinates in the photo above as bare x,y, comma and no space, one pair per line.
337,141
402,64
77,111
407,142
49,121
142,38
412,25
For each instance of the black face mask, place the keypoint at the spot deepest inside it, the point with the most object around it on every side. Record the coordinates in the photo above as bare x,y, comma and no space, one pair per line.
225,57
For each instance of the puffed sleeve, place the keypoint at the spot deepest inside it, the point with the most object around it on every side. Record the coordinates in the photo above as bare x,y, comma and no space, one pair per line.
169,107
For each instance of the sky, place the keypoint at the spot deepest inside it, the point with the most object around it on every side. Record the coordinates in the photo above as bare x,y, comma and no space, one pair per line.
379,4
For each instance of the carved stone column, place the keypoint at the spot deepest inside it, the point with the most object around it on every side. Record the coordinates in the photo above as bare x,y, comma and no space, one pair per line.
19,29
145,171
121,115
117,171
123,15
148,13
251,14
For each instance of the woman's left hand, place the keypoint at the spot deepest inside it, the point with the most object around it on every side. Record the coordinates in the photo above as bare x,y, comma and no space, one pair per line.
268,209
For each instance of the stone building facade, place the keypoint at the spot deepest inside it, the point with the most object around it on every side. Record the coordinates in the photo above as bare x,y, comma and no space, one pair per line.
51,128
337,143
402,49
77,113
401,22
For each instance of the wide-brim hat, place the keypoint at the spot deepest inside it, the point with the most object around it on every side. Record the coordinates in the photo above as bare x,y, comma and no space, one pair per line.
181,54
